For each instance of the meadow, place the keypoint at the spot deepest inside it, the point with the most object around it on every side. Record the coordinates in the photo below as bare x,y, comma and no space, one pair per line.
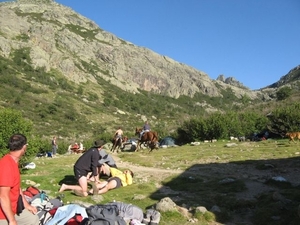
248,182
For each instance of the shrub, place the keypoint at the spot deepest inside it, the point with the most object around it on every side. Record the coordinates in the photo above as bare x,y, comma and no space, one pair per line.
12,122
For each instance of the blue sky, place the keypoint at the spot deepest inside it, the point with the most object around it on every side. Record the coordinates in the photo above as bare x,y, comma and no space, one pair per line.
254,41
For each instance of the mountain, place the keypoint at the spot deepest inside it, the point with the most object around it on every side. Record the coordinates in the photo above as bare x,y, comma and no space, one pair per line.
60,68
292,78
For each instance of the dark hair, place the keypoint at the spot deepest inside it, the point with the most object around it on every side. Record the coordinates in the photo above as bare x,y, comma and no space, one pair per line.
16,142
131,173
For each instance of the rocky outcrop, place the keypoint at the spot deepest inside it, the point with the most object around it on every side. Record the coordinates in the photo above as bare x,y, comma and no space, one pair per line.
63,40
292,77
230,80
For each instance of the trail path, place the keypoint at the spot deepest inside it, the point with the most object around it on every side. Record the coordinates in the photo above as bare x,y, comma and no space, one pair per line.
147,172
253,178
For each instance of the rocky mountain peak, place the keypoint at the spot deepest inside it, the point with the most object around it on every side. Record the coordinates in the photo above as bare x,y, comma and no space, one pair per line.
230,80
61,39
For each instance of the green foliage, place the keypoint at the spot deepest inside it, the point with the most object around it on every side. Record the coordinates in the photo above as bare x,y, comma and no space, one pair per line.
23,37
35,145
33,89
36,17
221,126
285,119
22,59
172,217
80,90
245,99
196,182
92,97
283,93
107,137
82,31
216,126
89,67
12,122
205,217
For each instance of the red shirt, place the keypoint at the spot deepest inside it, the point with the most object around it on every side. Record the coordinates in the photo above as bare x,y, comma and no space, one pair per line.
10,177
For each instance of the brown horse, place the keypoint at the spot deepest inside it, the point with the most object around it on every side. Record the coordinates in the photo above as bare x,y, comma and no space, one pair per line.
118,143
149,139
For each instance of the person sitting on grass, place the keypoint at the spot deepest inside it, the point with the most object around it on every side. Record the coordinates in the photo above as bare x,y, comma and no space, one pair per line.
118,179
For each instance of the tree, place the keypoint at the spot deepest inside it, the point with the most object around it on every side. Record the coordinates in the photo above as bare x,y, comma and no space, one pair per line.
12,122
285,119
217,127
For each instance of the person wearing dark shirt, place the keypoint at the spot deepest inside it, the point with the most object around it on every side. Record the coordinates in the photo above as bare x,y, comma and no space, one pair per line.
107,161
88,162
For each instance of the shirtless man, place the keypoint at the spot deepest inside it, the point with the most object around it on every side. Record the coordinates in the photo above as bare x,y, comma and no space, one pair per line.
118,134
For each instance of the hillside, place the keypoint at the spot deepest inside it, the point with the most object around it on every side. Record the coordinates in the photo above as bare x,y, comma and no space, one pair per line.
74,79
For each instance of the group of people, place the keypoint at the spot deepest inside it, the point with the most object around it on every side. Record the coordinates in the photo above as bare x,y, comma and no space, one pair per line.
14,208
75,148
93,164
119,132
90,167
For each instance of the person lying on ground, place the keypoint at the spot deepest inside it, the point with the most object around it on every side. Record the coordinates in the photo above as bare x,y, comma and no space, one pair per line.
87,162
118,179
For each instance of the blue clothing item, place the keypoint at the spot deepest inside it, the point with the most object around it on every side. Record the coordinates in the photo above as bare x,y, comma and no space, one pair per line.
64,213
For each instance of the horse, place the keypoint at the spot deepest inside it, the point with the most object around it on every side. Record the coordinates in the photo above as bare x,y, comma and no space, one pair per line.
149,139
118,143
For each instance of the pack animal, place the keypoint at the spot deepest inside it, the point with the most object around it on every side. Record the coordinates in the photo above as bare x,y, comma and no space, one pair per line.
149,139
118,143
293,135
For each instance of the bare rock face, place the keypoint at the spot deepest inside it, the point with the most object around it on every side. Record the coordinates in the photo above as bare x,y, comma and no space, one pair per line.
63,40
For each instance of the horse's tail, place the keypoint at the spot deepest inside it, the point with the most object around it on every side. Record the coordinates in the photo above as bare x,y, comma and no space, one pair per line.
154,141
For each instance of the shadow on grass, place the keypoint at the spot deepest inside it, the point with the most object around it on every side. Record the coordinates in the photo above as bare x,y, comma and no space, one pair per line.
243,191
68,179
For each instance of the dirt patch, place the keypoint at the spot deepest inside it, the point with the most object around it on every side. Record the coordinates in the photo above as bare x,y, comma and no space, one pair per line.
254,178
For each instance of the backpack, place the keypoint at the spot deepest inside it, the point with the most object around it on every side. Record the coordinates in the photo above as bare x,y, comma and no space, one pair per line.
46,207
31,192
104,215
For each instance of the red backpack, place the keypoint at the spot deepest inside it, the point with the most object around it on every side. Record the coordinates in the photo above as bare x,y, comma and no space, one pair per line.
31,191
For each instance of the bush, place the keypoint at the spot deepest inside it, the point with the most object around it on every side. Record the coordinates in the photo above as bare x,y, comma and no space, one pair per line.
11,122
283,93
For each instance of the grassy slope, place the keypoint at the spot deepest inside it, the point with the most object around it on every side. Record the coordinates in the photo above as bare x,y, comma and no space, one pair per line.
201,190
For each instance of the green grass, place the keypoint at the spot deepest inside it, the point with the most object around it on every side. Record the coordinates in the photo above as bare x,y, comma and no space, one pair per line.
193,190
